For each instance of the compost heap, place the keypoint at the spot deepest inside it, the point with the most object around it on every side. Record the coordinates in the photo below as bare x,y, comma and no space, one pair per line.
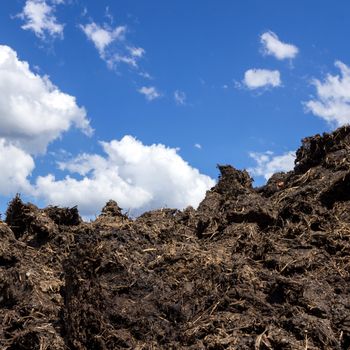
251,268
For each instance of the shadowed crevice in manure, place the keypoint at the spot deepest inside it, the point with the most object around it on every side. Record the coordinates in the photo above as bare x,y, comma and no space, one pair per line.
251,268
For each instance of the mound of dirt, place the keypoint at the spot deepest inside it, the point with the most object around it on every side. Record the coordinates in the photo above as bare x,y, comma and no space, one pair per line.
251,268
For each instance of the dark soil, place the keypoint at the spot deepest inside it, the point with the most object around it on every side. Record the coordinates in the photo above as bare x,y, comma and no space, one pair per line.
251,268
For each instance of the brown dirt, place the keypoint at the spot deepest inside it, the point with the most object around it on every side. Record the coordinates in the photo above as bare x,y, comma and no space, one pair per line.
251,268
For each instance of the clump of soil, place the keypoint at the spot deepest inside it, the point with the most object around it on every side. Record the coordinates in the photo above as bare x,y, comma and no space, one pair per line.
251,268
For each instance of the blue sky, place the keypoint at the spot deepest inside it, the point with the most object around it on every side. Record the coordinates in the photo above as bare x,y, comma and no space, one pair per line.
238,82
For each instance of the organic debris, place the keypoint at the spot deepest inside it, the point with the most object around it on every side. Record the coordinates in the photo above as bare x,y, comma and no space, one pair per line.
251,268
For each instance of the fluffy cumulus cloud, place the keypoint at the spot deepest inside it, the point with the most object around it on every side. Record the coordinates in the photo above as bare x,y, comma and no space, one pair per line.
258,78
16,166
267,163
332,102
34,112
111,44
150,92
39,17
271,45
139,177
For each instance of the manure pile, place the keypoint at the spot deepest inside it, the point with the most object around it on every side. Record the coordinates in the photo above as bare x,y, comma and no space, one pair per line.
251,268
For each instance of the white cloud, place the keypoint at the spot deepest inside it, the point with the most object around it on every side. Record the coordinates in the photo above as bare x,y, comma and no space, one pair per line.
137,176
109,15
257,78
151,93
129,60
274,47
136,51
146,75
102,37
111,44
197,145
180,97
34,112
16,165
39,17
267,163
333,97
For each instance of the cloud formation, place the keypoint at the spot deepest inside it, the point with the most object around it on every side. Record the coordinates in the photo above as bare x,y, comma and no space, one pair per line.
111,44
16,166
39,17
271,45
267,163
258,78
34,112
180,97
150,92
138,176
102,37
332,102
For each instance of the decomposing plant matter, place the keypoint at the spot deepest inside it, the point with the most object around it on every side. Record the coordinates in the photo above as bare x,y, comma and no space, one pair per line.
251,268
